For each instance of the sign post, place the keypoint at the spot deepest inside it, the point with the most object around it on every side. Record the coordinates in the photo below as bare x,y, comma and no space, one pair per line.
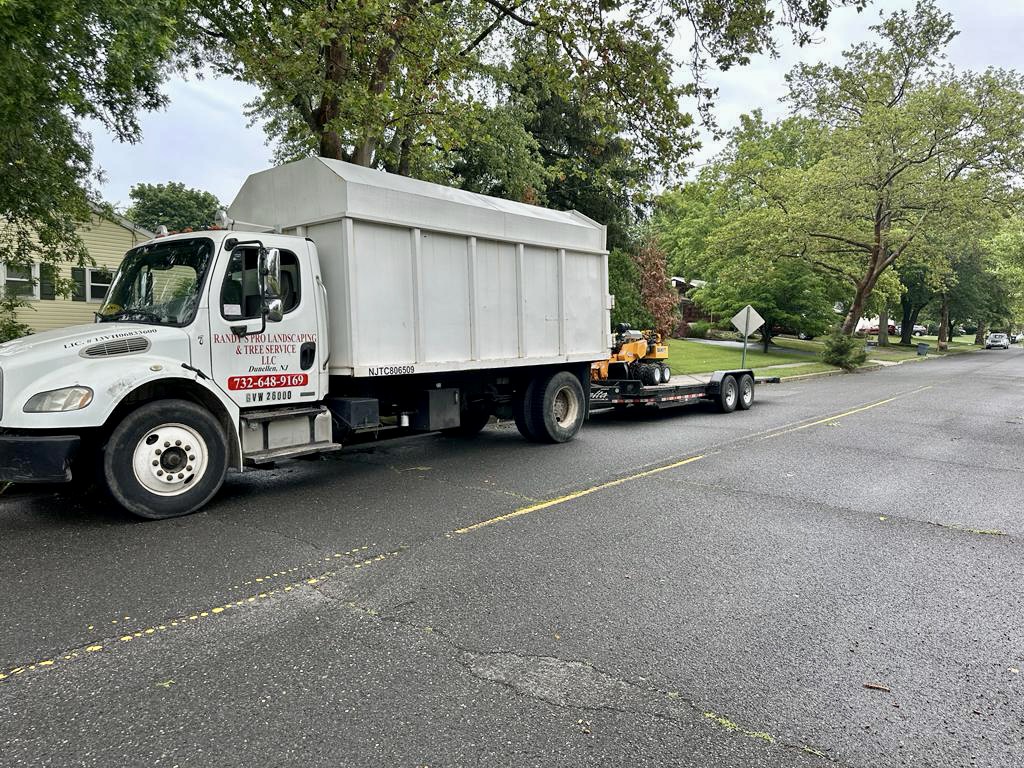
746,322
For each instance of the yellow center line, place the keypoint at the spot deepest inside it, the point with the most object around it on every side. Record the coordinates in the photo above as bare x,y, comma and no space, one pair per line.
851,412
674,465
576,495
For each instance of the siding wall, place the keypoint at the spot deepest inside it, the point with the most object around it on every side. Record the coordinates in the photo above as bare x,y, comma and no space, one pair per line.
107,243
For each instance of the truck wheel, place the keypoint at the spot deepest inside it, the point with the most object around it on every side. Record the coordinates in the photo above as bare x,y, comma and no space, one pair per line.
746,387
520,410
728,395
556,408
666,374
166,459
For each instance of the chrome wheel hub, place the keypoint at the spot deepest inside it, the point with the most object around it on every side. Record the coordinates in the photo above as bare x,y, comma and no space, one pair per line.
170,459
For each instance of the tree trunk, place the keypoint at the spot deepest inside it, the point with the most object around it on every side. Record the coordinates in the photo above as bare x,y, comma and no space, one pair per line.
856,309
766,339
883,327
943,344
979,337
915,315
907,323
330,145
363,154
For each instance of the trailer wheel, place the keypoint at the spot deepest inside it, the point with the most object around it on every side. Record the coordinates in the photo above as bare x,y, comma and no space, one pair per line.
746,395
728,395
555,408
166,459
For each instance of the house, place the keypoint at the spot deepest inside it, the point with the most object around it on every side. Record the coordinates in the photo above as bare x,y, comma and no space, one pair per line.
688,311
106,241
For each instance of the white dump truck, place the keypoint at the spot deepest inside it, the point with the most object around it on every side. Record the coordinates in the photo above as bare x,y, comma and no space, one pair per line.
337,303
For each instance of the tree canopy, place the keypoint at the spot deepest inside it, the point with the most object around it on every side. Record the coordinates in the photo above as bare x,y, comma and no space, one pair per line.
400,84
62,62
173,204
891,156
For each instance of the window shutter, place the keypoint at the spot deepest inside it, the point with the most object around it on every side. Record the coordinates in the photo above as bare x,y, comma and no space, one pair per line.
78,276
47,280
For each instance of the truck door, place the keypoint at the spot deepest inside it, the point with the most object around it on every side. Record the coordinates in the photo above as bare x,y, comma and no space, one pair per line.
257,362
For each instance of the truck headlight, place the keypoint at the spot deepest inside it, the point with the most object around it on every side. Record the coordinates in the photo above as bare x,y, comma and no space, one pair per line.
66,399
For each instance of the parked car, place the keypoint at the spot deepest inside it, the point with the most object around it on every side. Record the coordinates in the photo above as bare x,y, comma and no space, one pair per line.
997,340
919,330
874,329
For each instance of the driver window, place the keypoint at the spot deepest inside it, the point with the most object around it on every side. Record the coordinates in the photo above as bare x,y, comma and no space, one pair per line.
240,295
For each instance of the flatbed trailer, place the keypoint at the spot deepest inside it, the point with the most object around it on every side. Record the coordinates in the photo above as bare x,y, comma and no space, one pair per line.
729,390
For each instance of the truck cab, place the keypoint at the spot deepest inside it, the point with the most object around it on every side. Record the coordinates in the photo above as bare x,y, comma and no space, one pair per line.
196,329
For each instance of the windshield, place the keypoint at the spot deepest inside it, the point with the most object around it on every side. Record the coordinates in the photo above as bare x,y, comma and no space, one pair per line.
159,283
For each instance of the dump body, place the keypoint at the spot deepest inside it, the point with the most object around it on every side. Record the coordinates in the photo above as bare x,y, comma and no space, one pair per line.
424,278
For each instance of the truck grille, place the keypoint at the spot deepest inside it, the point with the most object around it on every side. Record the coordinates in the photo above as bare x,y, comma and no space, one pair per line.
128,346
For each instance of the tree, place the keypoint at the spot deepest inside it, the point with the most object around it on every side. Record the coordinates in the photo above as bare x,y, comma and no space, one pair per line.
658,297
912,145
724,229
62,62
624,285
398,84
172,204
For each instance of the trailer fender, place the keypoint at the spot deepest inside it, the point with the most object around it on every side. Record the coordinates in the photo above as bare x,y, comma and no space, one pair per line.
715,384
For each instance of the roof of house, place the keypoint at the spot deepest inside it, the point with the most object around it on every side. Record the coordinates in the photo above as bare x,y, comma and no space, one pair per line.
117,218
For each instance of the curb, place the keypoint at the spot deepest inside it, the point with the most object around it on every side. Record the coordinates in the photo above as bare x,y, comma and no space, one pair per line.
826,374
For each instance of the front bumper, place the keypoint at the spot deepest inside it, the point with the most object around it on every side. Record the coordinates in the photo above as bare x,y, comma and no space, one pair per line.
37,458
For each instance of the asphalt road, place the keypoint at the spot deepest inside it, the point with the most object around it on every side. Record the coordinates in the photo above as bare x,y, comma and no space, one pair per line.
698,590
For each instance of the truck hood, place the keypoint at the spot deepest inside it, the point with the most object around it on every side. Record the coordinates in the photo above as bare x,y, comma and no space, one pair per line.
76,337
109,358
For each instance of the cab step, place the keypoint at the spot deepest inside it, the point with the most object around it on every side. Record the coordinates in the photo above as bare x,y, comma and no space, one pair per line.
260,458
281,433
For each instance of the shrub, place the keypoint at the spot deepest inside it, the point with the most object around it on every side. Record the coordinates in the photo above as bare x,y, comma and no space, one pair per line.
845,351
699,330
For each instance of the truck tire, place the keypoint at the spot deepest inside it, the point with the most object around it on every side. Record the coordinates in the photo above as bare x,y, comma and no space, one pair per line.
666,373
728,395
520,410
165,459
746,394
555,408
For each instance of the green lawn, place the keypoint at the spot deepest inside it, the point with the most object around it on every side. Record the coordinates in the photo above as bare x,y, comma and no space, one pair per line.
892,352
693,357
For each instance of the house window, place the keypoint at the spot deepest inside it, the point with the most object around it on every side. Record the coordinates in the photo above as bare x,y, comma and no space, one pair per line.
97,283
21,281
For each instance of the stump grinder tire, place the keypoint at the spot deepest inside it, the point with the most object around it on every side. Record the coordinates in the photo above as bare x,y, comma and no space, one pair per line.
165,459
728,395
649,375
746,392
555,408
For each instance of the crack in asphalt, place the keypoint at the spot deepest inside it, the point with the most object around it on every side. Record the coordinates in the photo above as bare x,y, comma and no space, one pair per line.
575,684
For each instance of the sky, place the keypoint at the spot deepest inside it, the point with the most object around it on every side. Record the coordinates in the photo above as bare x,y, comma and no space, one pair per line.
204,140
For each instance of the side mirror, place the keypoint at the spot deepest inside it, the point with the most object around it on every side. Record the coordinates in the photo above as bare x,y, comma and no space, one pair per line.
270,278
273,309
270,272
